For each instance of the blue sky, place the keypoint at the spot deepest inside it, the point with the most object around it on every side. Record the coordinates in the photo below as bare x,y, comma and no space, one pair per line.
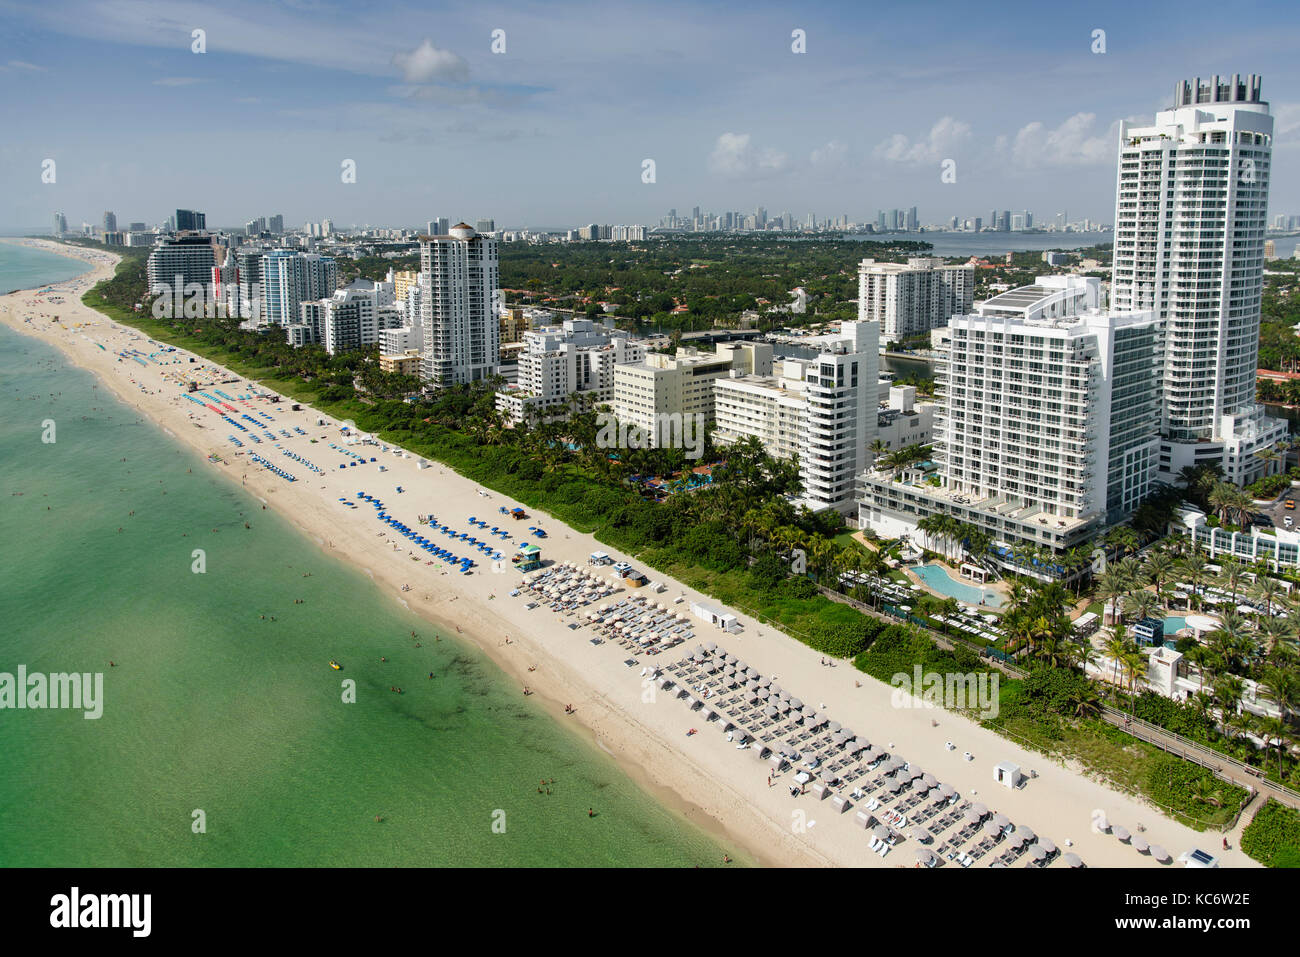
553,131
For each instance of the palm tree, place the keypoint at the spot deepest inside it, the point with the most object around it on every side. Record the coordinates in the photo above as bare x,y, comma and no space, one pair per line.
1143,604
1084,701
1231,575
1203,659
1275,733
1111,587
1268,590
1135,666
1115,647
1158,567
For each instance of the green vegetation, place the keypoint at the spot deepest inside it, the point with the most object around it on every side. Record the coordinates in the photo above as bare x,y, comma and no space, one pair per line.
1273,837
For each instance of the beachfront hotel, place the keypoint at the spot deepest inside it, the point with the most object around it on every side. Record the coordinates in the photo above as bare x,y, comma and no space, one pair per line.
823,409
910,300
558,361
460,274
1047,428
1190,210
660,385
181,260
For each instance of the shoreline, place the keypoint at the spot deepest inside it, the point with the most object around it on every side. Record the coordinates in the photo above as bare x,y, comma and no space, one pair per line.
700,777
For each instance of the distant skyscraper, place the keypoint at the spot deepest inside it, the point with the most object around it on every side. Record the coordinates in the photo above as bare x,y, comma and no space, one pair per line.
485,226
461,273
1190,210
190,219
276,224
60,224
110,222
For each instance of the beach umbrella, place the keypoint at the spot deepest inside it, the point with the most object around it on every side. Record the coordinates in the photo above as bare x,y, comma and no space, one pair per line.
991,826
1047,845
711,646
916,772
751,674
880,832
1001,820
1072,859
982,809
971,817
808,714
770,711
1140,845
796,704
1102,824
1120,832
895,786
1037,853
920,834
930,780
1159,853
834,726
1024,834
765,682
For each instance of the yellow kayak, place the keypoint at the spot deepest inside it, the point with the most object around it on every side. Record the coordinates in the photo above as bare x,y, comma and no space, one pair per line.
335,665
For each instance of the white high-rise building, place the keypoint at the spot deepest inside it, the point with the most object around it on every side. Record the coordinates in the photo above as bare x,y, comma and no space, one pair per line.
910,300
822,409
558,361
460,275
1190,209
1047,428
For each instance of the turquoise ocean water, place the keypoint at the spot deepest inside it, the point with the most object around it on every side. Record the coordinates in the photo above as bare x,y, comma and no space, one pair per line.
210,707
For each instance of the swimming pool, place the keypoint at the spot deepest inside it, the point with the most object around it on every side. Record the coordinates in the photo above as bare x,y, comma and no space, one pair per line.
1172,625
937,577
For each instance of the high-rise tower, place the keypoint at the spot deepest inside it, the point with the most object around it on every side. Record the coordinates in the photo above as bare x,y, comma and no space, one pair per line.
1190,209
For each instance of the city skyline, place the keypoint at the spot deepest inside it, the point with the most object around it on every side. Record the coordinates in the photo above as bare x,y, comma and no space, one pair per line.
559,124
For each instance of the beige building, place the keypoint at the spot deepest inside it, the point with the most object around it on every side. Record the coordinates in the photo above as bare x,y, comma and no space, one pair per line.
406,364
682,384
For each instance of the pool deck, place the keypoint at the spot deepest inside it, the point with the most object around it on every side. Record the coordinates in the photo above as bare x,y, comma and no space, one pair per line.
998,586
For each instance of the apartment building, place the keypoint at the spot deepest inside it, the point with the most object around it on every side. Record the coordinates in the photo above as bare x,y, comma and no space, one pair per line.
909,300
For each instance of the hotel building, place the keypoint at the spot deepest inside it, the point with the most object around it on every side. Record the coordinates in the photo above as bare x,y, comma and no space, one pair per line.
1190,209
1047,427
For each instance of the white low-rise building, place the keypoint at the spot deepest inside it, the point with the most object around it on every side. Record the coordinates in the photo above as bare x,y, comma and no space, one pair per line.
557,362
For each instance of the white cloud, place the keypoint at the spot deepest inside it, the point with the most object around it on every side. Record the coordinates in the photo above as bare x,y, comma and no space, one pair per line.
735,156
426,63
1075,142
21,65
944,140
833,155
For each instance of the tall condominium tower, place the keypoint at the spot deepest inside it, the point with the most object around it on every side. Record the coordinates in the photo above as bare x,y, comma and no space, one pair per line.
461,274
910,300
291,278
1190,210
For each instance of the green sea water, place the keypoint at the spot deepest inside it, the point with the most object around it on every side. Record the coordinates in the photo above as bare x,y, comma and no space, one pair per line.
209,707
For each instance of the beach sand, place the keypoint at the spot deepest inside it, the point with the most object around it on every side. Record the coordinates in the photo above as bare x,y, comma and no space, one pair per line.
702,776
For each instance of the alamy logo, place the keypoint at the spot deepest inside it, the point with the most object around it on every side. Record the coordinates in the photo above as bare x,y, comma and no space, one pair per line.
670,430
954,691
102,910
58,690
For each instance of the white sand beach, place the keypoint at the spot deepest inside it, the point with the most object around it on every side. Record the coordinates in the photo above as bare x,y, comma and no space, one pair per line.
703,775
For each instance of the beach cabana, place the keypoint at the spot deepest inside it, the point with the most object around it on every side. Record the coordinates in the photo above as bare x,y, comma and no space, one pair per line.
1070,859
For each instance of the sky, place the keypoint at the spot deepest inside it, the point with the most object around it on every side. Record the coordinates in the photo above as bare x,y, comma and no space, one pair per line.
553,127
